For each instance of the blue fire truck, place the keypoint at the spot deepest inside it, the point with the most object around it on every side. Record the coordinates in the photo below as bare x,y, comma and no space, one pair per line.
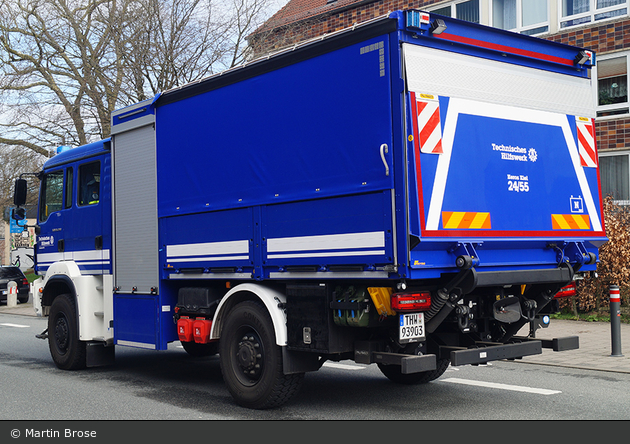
410,192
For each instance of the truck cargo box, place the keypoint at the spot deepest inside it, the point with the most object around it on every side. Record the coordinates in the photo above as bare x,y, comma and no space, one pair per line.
379,154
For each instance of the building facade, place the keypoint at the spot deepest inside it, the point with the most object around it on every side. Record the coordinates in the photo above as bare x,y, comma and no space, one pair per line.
602,26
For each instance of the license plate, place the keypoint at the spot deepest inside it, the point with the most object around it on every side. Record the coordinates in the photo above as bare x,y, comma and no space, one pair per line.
411,327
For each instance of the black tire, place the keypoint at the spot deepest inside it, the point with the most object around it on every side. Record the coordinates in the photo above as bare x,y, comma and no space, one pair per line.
393,373
251,362
198,350
67,351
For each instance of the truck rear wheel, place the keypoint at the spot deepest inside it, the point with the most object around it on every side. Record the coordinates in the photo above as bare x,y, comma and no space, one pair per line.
393,373
251,362
67,350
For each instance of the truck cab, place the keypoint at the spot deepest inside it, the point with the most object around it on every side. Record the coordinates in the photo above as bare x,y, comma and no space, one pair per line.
73,254
74,211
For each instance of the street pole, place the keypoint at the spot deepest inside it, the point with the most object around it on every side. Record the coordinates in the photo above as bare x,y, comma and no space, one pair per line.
615,320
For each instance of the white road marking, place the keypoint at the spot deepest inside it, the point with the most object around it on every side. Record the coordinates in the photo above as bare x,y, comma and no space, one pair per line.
342,366
515,388
16,325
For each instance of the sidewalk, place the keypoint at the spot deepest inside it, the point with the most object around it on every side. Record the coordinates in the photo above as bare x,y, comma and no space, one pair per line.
594,352
595,346
21,309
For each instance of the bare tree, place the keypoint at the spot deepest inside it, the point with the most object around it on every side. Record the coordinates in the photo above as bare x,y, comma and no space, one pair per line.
13,162
65,65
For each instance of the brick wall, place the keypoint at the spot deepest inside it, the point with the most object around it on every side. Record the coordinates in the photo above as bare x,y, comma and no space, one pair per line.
613,135
326,23
607,37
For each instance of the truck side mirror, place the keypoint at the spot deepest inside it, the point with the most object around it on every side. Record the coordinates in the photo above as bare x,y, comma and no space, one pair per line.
19,194
18,213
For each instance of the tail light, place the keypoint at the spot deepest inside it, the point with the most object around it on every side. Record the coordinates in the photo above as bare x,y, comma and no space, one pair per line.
24,281
567,290
420,301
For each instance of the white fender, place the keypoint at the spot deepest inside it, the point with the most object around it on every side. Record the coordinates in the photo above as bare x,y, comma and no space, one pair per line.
67,268
271,298
94,300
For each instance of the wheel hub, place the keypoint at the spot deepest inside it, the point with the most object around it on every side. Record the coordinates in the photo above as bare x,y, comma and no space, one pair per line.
61,333
249,356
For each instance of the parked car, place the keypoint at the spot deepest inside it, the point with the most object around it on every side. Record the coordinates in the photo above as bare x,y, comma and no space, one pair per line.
8,274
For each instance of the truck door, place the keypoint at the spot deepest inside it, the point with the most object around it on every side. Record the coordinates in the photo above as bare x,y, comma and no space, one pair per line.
55,199
84,236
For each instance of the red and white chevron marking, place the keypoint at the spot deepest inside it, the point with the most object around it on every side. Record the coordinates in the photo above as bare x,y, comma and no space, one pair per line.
586,142
429,127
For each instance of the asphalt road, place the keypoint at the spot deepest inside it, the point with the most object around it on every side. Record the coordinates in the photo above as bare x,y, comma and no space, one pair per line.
169,385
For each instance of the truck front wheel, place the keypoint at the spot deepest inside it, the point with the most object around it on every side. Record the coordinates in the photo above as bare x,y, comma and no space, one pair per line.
251,361
67,351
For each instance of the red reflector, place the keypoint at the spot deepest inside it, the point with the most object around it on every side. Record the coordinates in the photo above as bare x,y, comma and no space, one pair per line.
566,291
24,281
411,301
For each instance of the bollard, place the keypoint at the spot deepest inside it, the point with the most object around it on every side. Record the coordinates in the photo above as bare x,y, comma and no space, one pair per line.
12,292
615,320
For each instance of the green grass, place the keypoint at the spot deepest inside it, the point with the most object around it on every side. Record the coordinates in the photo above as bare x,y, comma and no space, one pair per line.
30,275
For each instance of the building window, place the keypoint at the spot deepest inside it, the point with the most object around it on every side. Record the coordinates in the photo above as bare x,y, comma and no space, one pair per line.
577,12
467,10
612,84
525,16
615,176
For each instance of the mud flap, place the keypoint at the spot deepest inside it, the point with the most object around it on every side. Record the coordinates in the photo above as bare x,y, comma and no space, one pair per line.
99,354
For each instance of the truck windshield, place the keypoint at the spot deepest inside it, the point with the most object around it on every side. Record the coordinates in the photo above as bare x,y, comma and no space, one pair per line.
51,194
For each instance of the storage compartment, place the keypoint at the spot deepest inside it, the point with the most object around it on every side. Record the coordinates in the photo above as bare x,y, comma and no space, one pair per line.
352,307
310,325
197,301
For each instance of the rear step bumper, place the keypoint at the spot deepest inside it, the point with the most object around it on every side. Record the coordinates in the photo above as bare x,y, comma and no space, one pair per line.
483,352
368,352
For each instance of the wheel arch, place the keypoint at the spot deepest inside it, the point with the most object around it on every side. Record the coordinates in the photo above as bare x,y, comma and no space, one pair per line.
55,286
272,299
59,279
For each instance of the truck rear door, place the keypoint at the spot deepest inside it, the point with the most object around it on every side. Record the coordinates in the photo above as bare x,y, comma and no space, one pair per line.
504,153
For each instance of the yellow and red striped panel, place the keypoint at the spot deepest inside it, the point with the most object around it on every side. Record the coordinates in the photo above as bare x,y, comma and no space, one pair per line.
465,220
570,222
